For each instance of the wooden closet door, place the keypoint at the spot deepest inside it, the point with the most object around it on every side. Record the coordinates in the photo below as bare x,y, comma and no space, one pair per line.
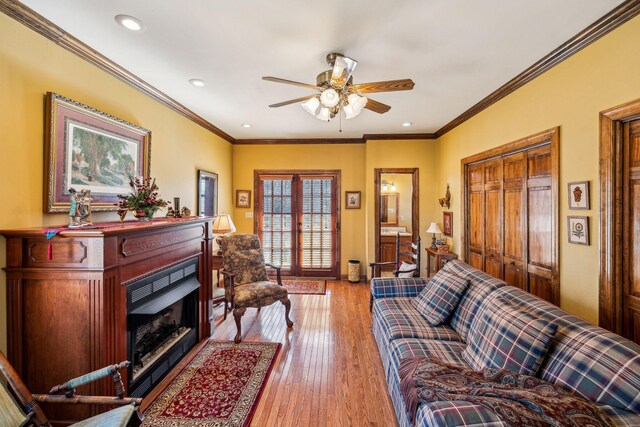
514,173
540,224
475,226
493,217
631,233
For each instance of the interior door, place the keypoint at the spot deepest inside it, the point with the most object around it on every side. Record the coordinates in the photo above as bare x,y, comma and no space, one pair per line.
513,167
476,215
631,233
297,219
493,217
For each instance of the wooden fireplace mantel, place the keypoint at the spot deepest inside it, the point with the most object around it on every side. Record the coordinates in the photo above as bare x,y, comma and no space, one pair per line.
66,297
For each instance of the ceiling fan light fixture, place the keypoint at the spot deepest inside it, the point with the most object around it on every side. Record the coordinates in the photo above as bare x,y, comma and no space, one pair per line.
348,112
357,102
311,105
329,98
324,114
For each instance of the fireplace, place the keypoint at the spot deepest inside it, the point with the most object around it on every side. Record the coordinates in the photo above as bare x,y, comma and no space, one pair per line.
162,323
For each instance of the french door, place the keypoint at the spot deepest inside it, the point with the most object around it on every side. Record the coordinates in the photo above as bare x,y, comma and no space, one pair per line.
297,219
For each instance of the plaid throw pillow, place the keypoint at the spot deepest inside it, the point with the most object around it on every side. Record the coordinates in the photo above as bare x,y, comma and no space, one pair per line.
503,336
440,297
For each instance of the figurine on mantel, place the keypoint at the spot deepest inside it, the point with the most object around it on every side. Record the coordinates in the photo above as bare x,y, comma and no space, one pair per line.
79,208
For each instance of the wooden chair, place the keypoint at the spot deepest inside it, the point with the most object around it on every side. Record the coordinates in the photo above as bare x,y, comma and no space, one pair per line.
407,252
245,278
18,407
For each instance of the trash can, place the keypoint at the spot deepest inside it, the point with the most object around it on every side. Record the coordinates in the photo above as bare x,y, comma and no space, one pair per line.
354,271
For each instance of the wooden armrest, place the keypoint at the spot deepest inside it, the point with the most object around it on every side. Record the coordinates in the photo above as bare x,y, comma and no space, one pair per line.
92,400
376,264
70,386
278,272
227,274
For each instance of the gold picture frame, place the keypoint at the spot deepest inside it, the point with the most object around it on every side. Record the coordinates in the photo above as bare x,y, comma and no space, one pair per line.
86,148
243,198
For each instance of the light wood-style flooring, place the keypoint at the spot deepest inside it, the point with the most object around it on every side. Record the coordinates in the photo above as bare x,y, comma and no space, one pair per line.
328,372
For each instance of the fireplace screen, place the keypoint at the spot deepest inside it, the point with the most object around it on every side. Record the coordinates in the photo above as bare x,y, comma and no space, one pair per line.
162,323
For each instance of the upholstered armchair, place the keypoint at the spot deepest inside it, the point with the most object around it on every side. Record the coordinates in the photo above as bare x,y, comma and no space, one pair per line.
246,281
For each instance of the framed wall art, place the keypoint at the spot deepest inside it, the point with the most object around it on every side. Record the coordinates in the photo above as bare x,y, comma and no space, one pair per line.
87,149
352,199
207,193
243,198
578,229
447,223
579,195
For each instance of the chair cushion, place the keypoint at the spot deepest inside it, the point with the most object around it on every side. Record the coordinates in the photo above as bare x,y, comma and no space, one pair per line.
258,294
502,336
406,270
242,255
440,297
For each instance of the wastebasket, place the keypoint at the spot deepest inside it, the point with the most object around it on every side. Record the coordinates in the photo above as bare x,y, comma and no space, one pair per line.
354,271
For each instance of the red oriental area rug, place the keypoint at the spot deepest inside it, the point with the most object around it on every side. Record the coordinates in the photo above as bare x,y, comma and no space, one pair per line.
219,387
305,286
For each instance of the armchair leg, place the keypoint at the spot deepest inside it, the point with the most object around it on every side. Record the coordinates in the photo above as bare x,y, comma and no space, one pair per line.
287,309
237,314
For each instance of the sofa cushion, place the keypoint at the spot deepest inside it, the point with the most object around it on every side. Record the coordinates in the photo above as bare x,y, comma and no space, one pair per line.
398,318
502,336
480,286
597,364
440,297
385,287
258,294
447,351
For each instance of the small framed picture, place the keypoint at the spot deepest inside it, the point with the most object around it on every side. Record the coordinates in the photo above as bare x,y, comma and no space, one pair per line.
243,198
579,195
447,223
578,229
352,200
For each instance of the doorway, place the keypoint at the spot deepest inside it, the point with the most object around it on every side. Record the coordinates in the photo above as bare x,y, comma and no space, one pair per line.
297,217
396,210
619,305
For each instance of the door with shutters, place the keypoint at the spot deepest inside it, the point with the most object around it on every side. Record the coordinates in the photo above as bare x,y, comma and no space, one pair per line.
297,218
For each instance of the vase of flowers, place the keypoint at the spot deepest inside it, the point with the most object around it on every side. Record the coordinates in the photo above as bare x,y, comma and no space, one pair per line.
143,200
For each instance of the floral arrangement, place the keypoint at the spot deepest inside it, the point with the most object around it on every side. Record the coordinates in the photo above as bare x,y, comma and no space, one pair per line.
143,199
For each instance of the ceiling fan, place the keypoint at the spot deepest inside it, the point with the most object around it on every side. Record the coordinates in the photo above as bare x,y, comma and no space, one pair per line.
338,92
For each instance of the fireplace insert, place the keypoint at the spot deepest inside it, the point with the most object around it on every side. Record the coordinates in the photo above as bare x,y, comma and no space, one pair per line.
162,323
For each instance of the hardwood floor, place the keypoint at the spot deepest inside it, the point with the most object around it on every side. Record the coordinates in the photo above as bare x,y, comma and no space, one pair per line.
328,372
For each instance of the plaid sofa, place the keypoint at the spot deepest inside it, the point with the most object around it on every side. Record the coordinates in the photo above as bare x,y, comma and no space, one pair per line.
590,361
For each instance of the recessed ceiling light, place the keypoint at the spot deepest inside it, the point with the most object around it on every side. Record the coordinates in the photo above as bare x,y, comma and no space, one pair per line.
407,124
129,22
197,82
246,125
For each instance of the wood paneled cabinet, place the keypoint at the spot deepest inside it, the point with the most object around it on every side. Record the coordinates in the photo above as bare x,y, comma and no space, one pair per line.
388,251
511,212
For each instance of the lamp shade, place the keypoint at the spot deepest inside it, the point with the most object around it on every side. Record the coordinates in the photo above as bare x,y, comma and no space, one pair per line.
311,106
357,102
329,98
223,224
433,228
324,114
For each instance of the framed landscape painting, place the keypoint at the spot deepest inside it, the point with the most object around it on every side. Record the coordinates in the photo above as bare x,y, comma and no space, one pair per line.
87,149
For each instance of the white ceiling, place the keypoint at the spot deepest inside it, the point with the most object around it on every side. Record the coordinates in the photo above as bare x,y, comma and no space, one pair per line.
456,51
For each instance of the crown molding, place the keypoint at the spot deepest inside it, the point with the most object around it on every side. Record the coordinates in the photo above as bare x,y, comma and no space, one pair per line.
609,22
51,31
283,141
373,136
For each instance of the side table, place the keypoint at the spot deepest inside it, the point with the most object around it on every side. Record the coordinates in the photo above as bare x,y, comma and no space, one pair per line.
435,260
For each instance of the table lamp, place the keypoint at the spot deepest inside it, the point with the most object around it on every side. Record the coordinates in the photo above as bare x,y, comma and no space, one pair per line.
434,228
222,224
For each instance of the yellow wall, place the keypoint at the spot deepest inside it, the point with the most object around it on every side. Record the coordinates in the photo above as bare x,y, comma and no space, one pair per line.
570,95
31,65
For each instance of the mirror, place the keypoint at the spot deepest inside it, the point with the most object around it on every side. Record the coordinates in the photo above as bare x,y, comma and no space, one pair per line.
389,208
207,193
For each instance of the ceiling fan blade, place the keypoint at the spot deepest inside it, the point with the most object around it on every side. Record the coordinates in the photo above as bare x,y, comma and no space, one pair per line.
291,101
386,86
376,106
291,82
